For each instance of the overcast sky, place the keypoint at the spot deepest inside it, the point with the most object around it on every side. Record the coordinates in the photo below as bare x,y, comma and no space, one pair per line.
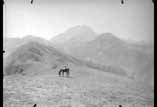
46,18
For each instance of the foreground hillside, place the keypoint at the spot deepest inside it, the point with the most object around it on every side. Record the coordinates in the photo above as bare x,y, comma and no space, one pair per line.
84,88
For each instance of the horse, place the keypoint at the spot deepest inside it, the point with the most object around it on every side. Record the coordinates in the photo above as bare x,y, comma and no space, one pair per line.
62,71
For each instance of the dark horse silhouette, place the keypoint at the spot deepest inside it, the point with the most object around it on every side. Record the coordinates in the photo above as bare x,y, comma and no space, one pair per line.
62,71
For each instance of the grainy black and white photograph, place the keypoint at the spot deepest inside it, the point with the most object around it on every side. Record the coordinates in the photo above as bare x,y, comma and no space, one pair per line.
78,53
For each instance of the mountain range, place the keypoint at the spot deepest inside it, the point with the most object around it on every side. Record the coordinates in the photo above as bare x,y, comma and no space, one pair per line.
81,45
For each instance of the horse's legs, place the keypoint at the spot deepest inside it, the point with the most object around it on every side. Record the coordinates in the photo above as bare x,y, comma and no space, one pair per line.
59,73
63,73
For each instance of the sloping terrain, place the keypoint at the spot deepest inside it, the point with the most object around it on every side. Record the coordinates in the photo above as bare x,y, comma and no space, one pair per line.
84,88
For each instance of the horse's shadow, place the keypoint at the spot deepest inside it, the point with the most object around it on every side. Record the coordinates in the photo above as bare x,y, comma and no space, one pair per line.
66,76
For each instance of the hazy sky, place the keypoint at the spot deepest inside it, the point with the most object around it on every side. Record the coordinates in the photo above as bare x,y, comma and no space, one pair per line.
46,18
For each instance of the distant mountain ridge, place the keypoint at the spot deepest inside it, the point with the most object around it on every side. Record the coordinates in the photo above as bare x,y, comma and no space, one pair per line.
76,33
73,37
